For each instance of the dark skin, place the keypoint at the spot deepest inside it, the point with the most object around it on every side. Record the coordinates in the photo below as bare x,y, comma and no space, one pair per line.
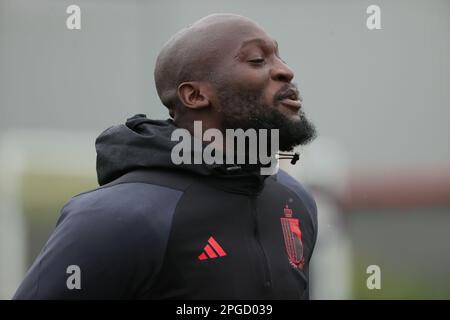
245,57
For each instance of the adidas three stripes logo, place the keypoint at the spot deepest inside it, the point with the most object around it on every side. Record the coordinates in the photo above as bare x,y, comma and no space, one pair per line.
212,250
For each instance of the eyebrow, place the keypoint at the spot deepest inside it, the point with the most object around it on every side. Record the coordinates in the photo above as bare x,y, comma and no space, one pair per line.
258,41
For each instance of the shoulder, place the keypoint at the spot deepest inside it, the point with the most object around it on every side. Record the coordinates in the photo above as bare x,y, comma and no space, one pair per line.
122,223
129,198
119,209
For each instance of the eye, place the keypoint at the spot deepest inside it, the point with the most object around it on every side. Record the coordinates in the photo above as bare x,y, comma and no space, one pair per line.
257,61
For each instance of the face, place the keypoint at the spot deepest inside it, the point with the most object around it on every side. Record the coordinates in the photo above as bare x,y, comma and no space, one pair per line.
254,89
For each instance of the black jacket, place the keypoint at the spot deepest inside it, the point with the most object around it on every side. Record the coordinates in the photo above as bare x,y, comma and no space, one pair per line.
154,230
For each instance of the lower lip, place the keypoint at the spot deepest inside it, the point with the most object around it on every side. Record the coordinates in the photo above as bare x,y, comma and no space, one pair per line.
293,104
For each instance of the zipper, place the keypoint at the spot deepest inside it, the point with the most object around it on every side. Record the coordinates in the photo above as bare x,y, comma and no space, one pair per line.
265,263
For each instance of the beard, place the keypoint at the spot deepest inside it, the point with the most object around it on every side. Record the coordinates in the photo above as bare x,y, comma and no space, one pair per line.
247,110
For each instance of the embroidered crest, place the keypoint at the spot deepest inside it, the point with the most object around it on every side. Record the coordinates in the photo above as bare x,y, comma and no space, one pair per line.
292,238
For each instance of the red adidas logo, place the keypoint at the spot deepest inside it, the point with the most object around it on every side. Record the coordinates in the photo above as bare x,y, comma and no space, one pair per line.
212,250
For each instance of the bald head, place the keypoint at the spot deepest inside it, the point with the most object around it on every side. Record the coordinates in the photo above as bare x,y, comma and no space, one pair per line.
193,53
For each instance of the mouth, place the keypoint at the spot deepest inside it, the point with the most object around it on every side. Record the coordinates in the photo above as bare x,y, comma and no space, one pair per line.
291,99
292,104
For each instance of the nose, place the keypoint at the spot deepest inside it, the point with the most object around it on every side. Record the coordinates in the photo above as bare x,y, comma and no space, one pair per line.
281,71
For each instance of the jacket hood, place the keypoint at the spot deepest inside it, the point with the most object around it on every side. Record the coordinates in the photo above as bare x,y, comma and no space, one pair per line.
143,143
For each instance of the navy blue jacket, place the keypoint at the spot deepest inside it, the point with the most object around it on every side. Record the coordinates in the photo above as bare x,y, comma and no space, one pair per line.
153,230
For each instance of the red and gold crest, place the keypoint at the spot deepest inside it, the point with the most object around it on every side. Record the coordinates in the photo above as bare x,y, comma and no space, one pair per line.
292,238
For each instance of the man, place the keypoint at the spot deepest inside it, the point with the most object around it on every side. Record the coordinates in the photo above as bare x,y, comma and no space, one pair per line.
156,230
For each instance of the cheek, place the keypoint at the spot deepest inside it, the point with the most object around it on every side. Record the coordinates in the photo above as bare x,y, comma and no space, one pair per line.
245,77
258,84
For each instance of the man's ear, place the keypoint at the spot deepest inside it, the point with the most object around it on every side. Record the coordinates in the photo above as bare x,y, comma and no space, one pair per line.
194,94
